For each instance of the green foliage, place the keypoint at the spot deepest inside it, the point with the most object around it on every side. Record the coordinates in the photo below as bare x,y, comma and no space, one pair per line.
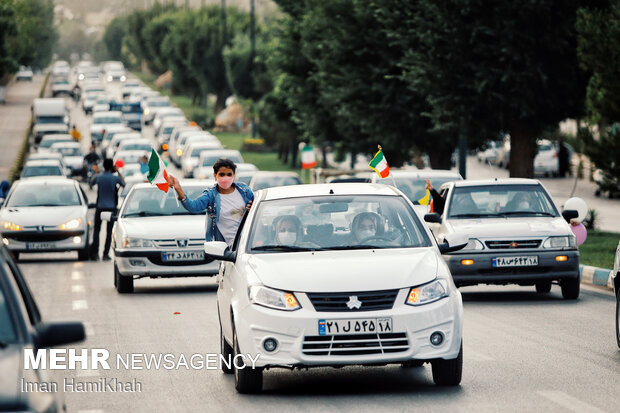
599,249
73,38
36,32
113,38
8,30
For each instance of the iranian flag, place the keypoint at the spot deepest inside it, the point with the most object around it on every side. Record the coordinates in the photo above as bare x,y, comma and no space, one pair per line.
157,172
307,157
380,165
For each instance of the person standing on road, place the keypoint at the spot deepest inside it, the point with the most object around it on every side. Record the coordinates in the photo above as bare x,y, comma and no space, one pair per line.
75,134
225,202
107,198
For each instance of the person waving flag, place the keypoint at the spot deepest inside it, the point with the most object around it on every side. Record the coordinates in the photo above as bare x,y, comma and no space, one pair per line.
157,174
379,164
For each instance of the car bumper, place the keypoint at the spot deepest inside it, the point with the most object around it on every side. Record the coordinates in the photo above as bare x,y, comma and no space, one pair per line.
49,241
483,272
296,330
150,264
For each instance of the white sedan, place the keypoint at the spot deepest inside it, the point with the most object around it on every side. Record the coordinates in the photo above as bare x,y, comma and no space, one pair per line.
155,237
308,284
45,215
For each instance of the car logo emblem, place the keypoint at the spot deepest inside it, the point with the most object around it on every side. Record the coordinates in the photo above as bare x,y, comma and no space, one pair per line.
353,302
182,243
514,244
40,228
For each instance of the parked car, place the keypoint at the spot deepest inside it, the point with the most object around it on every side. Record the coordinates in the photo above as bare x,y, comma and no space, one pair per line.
615,276
61,87
155,237
516,235
314,298
413,182
489,154
24,73
22,327
44,215
48,168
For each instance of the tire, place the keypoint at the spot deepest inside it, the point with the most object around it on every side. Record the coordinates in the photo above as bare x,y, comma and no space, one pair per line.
84,253
227,353
570,288
597,193
124,285
247,380
543,287
618,317
448,372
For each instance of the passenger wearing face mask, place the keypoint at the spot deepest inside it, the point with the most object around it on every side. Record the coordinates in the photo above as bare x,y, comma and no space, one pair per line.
366,225
522,201
287,230
225,202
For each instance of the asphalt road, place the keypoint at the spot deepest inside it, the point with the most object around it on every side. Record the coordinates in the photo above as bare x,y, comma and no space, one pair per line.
523,351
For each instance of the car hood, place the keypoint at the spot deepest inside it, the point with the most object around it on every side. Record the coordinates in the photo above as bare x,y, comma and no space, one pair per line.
29,216
515,226
340,271
186,226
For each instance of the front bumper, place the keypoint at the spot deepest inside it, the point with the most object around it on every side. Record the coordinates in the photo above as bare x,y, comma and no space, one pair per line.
296,332
483,272
47,241
148,263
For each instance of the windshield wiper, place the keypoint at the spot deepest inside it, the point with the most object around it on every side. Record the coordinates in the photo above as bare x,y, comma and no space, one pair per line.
144,214
284,248
474,215
547,214
355,247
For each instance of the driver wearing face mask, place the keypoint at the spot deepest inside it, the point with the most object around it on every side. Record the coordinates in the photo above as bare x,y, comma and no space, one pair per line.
287,230
366,225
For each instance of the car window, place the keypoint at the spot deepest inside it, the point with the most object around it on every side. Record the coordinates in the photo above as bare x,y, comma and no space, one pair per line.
145,202
500,200
44,195
47,143
414,188
337,222
8,334
107,119
68,151
50,170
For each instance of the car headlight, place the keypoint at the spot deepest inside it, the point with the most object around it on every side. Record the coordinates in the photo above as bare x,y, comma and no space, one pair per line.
11,226
72,224
179,152
473,244
123,78
146,112
279,300
129,242
428,293
569,241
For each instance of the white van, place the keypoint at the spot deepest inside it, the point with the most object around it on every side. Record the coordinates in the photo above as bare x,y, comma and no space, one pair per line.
51,116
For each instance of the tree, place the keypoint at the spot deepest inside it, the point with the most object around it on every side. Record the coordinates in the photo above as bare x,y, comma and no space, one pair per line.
8,30
113,37
36,32
492,66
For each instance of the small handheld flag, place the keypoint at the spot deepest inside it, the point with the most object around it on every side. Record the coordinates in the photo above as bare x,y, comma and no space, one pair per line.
425,200
308,160
157,174
379,164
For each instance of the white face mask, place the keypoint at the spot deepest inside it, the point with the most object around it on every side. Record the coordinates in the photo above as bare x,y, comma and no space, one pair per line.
287,238
366,233
524,205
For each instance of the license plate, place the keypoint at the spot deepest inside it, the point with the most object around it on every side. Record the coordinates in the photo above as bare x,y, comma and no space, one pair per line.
526,261
355,326
182,256
39,245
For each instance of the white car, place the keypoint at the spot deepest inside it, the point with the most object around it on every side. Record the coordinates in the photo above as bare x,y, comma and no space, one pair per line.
48,168
155,237
175,148
165,113
140,144
110,132
61,87
50,156
129,157
204,168
72,155
102,121
489,155
112,146
191,155
517,235
152,104
24,73
44,215
167,126
546,159
330,298
48,140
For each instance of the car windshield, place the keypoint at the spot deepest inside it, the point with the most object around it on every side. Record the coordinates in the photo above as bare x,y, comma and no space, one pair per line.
211,159
131,109
44,195
271,181
489,201
136,147
7,329
107,119
197,151
61,82
129,157
69,151
335,223
50,119
41,170
150,201
414,188
159,104
47,143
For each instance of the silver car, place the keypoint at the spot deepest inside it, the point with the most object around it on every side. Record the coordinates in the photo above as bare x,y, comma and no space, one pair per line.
45,215
154,236
516,235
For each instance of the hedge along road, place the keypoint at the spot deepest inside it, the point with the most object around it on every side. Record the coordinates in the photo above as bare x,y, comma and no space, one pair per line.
15,120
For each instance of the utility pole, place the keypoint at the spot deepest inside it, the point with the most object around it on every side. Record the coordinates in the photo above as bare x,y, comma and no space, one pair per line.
463,149
252,54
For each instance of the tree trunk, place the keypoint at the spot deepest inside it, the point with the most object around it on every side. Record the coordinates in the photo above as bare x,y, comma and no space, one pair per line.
294,150
522,153
220,103
441,158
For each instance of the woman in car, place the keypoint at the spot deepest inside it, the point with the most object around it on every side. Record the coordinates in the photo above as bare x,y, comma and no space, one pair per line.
366,225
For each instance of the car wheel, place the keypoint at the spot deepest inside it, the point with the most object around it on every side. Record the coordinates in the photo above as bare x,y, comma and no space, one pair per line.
448,372
84,253
618,317
124,285
227,353
247,379
570,288
543,287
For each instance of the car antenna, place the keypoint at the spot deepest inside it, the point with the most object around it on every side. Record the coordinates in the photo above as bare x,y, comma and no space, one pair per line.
331,192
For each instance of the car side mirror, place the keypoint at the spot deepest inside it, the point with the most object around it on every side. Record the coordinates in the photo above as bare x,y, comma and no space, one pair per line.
454,242
570,214
218,250
59,334
433,217
108,216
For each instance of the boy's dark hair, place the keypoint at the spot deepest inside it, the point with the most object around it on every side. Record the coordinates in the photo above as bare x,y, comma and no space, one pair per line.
224,162
108,164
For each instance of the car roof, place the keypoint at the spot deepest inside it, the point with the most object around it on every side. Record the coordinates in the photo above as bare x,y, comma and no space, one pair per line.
64,144
42,162
221,152
107,113
300,191
55,136
44,155
47,180
130,141
497,181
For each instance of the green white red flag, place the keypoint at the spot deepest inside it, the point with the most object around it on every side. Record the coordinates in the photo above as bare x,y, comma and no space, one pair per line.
308,160
379,164
157,174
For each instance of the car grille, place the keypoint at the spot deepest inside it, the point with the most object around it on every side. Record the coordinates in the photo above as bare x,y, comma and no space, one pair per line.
172,243
371,300
35,236
355,344
512,244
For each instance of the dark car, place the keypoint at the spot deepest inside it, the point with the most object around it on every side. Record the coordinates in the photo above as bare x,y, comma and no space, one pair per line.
21,327
615,276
